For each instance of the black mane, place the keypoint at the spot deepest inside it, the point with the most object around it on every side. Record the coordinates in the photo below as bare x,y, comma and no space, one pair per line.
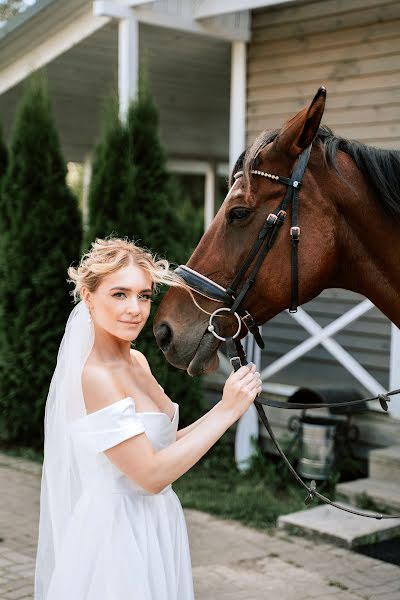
380,167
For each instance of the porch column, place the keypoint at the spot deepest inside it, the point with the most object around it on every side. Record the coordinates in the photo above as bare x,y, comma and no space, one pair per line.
237,118
394,379
128,62
128,48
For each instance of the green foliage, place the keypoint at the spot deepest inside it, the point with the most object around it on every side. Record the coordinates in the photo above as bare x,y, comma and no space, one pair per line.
255,497
10,8
3,155
40,235
108,182
132,196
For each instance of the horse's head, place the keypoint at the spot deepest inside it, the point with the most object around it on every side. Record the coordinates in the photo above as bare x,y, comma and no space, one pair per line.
180,326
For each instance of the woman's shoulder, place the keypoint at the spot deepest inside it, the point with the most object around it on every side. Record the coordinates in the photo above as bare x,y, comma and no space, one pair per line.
141,359
99,386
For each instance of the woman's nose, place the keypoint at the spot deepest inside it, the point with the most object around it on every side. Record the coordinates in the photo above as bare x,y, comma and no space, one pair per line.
134,306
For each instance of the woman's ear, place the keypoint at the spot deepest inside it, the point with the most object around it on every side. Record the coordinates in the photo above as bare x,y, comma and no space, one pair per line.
85,295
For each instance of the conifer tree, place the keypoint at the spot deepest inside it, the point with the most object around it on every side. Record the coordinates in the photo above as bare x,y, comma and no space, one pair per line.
3,155
155,221
108,181
146,212
41,236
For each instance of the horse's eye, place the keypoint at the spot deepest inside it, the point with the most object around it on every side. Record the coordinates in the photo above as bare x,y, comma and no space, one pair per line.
238,214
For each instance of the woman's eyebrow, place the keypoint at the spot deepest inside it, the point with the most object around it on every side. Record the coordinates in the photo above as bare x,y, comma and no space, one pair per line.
126,289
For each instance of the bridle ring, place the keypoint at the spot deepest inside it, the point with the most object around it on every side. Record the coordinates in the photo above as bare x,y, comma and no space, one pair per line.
211,327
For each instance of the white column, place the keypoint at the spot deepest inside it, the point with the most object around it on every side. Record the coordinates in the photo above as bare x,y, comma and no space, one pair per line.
128,62
237,122
248,426
128,47
394,379
209,195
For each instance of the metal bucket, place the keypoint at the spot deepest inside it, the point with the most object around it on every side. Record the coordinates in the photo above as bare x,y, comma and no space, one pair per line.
318,447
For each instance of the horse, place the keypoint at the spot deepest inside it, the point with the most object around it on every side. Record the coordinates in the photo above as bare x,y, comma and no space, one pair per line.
347,235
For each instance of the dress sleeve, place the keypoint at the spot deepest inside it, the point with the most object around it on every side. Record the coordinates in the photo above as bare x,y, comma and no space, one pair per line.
108,426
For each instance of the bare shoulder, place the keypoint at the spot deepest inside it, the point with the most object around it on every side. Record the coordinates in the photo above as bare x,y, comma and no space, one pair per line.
141,359
99,387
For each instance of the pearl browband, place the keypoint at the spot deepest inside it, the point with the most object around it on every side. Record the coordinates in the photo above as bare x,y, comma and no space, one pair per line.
293,183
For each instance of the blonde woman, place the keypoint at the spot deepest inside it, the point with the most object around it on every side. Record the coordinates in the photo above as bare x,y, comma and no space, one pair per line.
111,527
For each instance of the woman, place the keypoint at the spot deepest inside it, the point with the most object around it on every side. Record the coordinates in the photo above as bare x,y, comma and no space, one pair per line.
111,527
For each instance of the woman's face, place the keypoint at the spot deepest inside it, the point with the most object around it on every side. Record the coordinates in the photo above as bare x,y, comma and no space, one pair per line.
121,303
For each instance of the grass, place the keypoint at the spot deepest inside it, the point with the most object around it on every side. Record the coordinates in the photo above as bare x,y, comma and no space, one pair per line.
255,497
24,452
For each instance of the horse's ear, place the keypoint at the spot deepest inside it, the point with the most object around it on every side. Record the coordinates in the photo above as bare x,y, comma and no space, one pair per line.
299,132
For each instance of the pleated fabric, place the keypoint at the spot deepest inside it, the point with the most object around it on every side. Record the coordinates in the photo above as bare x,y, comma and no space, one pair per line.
122,543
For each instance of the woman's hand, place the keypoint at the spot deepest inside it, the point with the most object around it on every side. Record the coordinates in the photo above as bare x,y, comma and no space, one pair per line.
240,390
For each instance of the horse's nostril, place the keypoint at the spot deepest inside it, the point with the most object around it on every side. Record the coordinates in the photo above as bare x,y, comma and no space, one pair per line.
164,336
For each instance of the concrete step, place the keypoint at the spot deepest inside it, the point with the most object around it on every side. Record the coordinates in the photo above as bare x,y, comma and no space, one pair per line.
384,464
384,494
341,528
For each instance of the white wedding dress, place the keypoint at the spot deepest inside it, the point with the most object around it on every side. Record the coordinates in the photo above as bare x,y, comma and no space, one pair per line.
122,543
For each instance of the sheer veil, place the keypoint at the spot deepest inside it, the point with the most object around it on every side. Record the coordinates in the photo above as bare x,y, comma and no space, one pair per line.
61,485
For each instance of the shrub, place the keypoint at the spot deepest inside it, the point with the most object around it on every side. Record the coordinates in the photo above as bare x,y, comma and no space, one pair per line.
40,237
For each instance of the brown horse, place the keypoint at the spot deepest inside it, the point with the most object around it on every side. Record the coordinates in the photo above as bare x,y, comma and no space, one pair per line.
349,210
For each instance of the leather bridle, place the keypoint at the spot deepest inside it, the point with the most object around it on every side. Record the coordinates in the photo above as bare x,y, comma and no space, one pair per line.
234,297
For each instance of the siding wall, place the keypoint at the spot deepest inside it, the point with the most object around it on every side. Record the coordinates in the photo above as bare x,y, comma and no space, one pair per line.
353,48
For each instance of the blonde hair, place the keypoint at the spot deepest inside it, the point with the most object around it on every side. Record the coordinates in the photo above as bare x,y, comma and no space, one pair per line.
110,254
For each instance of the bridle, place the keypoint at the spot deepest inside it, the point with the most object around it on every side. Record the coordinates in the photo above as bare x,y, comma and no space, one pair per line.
233,296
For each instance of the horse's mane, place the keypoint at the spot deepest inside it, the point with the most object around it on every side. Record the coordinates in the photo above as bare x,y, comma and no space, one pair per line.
380,167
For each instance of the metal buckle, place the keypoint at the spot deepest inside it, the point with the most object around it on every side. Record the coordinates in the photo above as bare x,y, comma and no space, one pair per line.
295,232
235,362
247,316
272,218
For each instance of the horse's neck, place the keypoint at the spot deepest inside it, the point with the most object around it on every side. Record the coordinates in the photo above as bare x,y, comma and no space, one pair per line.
371,254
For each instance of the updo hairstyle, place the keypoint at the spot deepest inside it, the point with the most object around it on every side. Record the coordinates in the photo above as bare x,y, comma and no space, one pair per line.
108,255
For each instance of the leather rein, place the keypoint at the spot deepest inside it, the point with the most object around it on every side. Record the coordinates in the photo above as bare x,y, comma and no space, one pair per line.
234,297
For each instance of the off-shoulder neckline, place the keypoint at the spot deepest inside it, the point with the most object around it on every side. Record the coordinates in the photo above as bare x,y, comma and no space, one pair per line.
150,412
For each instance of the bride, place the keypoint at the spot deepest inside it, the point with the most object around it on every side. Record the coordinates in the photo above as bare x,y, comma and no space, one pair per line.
111,527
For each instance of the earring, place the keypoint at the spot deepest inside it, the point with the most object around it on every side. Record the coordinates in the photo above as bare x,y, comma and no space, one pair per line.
90,317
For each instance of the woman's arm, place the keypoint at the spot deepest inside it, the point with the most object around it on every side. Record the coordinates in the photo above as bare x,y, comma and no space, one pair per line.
154,470
185,430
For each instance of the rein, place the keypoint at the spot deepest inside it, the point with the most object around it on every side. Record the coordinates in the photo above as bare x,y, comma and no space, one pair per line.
234,297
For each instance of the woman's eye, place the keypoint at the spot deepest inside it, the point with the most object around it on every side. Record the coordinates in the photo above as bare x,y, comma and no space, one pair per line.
145,297
118,294
239,214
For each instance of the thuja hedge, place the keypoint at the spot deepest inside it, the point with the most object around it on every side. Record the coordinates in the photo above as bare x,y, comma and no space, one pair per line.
3,155
131,195
40,236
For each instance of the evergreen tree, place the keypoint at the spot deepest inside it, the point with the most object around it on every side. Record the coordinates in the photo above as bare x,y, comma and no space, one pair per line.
3,156
155,220
146,212
108,182
40,237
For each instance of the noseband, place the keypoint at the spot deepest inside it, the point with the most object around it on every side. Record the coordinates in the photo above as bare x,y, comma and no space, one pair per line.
234,298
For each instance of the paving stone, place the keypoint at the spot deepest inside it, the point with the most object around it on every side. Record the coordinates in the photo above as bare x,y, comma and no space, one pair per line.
230,561
342,528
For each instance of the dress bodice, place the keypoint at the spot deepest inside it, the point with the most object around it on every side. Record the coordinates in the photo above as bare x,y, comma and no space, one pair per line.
109,426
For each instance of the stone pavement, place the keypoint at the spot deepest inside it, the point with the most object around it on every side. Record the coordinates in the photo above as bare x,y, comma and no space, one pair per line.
230,562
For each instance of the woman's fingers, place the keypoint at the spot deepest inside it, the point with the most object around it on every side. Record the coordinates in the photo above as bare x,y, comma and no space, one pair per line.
244,371
250,378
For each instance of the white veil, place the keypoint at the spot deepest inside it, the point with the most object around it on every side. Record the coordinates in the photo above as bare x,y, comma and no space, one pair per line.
61,485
